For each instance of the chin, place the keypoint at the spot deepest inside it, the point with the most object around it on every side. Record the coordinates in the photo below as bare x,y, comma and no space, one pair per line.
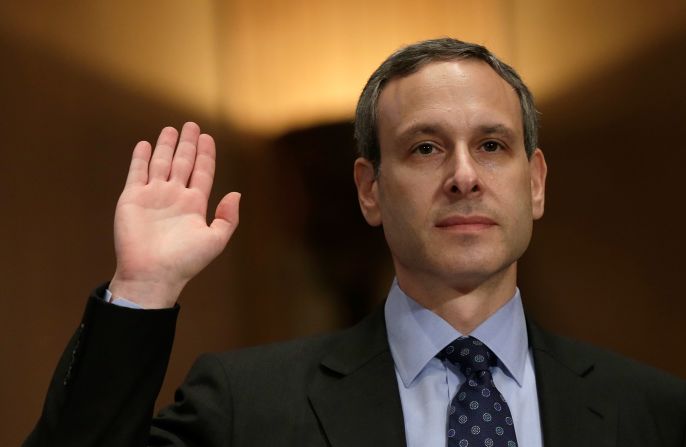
471,272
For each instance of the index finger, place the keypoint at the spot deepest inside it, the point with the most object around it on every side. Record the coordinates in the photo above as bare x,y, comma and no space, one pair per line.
138,169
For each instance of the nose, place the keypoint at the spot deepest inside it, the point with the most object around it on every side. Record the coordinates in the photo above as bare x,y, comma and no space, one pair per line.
463,178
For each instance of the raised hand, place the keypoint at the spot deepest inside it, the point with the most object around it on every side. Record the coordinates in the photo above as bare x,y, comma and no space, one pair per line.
161,235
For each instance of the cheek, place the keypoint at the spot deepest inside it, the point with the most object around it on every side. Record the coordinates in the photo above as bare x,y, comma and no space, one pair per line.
521,211
404,207
518,187
512,200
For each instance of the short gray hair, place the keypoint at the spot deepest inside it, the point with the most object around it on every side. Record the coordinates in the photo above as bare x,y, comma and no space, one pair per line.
411,58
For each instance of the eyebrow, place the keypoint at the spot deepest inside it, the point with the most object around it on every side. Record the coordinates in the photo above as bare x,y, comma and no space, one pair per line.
496,129
419,128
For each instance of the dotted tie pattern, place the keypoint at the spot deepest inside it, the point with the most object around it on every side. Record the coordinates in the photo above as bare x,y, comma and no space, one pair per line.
478,415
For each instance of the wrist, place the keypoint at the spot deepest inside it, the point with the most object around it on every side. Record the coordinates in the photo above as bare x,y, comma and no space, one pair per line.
149,294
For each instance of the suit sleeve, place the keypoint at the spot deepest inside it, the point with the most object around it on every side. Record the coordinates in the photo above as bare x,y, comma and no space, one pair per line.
105,385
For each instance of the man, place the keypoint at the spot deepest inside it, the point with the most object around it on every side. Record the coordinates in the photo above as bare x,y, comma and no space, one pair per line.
450,169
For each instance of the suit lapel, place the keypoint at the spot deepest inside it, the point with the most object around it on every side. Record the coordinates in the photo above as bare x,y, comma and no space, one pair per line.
355,392
574,410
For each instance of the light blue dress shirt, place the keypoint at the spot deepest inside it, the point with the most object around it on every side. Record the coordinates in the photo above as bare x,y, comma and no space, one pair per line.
122,302
427,385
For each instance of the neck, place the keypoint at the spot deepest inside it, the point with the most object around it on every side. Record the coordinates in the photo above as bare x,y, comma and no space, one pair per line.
463,304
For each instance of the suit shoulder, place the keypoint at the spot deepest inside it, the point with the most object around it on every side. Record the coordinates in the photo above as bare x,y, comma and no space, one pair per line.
609,367
343,350
296,351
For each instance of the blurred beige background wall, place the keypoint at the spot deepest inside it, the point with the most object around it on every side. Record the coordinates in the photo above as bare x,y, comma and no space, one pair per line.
276,84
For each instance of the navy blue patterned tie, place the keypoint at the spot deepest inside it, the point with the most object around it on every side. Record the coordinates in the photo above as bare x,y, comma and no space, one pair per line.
478,415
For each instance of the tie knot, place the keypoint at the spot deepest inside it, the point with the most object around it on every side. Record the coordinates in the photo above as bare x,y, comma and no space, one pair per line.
470,354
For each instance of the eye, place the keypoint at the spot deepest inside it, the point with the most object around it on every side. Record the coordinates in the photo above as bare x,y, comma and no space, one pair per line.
491,146
425,149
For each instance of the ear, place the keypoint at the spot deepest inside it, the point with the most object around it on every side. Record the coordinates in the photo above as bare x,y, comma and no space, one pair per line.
367,191
538,171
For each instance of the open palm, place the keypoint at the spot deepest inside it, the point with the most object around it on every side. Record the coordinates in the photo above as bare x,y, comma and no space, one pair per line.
162,238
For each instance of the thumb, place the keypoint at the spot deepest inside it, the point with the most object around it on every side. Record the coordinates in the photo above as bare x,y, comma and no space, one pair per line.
226,216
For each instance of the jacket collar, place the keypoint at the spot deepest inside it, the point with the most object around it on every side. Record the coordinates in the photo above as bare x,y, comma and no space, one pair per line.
355,392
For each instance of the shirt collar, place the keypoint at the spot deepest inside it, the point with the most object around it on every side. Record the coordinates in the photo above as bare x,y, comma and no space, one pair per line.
416,335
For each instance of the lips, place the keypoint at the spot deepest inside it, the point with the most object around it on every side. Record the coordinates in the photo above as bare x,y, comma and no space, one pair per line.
458,221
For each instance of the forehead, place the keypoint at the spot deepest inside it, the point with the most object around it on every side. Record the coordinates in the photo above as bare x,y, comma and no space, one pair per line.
461,94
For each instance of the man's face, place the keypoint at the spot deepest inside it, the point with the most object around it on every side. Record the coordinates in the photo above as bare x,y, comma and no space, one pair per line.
455,192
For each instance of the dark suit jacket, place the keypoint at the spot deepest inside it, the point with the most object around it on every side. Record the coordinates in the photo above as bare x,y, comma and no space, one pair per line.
334,390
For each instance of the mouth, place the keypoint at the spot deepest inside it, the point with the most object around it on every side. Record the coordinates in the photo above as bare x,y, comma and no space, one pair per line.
466,223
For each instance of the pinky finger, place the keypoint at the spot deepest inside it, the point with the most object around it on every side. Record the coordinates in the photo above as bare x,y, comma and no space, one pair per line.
138,170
